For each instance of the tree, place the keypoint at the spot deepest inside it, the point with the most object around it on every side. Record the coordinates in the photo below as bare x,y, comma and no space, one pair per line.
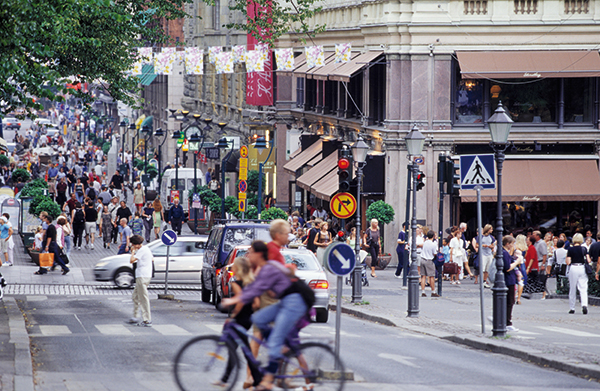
4,160
20,174
47,44
273,213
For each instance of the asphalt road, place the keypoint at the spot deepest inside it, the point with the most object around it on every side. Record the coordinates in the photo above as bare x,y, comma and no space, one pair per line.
81,343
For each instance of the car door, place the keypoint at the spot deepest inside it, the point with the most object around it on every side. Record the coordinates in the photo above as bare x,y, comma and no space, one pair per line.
160,261
188,264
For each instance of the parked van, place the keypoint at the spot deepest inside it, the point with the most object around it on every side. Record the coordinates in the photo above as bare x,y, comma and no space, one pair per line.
185,177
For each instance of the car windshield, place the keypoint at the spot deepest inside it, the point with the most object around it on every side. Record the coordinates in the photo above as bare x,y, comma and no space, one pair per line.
237,237
302,261
160,250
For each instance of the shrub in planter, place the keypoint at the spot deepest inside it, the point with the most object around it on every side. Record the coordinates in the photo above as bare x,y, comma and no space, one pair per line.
20,174
49,206
106,148
38,183
32,192
273,213
37,200
4,160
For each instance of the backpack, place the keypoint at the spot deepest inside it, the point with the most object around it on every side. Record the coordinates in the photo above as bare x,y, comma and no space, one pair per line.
91,193
79,217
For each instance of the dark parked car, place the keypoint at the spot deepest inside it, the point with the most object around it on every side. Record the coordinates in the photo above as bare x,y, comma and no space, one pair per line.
224,277
222,239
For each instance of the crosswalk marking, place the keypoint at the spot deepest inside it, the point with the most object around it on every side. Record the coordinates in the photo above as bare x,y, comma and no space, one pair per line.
575,333
113,329
214,326
53,330
170,329
37,298
528,332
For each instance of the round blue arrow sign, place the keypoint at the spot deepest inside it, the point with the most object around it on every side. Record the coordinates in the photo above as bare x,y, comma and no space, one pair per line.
341,259
169,237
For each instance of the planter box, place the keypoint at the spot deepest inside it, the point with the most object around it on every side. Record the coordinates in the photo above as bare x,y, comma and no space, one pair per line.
384,261
28,239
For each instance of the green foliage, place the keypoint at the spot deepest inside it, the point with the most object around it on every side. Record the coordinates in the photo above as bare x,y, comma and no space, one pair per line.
4,160
207,198
39,182
251,212
276,18
152,171
32,192
20,174
37,200
593,286
252,181
106,147
273,213
231,206
46,44
384,213
46,204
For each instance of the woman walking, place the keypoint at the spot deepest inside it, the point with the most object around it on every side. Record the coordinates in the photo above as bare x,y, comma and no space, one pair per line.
158,217
138,197
577,256
373,242
106,227
322,240
78,219
510,264
457,253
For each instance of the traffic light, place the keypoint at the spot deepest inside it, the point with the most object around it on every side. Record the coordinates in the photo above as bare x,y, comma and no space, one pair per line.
441,169
420,180
452,178
344,169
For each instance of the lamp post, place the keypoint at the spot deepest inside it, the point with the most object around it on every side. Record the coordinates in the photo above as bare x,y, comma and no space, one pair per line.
147,130
261,144
123,128
158,133
176,135
222,144
359,155
500,124
414,145
196,143
132,129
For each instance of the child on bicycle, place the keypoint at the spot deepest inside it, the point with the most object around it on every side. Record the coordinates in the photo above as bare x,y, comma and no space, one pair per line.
286,313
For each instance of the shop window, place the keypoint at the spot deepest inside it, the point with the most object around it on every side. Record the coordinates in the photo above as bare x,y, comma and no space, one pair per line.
469,102
377,90
310,95
300,92
578,100
331,97
354,96
527,101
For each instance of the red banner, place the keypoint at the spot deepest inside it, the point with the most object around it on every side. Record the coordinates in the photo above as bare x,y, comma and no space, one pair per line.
259,85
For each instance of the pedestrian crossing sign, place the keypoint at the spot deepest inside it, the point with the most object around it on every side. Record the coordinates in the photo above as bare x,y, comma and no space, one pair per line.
477,170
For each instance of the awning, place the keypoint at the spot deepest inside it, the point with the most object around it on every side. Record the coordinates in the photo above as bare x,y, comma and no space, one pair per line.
312,162
3,145
529,64
544,180
293,165
298,62
329,59
326,186
322,73
317,172
148,121
345,72
305,70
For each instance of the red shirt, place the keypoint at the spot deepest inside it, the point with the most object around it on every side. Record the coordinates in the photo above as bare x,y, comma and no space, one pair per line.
275,253
531,258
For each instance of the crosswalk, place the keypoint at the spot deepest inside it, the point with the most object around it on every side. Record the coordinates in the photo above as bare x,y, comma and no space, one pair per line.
123,330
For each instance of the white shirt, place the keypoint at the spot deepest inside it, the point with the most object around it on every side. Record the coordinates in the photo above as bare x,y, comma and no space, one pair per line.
456,246
429,249
144,262
98,169
561,256
320,215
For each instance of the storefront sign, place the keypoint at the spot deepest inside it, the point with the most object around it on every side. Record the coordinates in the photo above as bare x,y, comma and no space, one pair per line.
533,198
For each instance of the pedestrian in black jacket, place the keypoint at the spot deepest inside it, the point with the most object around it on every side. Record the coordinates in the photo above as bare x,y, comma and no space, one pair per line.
176,216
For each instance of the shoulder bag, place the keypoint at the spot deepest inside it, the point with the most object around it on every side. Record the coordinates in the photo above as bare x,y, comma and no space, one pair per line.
586,264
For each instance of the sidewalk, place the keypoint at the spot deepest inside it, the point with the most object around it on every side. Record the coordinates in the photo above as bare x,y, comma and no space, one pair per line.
548,335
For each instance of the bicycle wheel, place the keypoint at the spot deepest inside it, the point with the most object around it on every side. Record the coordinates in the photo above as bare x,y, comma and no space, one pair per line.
205,362
315,367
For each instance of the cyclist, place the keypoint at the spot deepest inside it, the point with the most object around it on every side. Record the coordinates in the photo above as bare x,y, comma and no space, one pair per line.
274,277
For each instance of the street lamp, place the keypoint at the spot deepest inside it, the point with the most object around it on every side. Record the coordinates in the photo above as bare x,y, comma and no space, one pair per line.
158,133
147,130
196,142
123,127
132,130
414,144
261,144
500,124
359,155
222,144
176,135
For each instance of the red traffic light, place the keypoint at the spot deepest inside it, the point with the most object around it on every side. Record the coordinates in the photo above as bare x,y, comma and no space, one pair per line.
341,234
343,164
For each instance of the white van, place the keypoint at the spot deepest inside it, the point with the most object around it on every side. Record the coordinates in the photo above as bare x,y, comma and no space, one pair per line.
185,177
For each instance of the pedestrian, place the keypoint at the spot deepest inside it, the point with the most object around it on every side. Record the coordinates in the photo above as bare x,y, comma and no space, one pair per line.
279,231
157,217
91,217
463,229
79,190
106,227
137,224
5,234
541,249
312,233
112,209
429,252
319,213
208,175
51,245
560,263
400,250
78,219
147,217
176,216
61,190
373,243
488,248
322,240
125,232
123,212
104,195
38,238
510,277
457,253
139,197
142,257
91,193
117,182
521,271
577,256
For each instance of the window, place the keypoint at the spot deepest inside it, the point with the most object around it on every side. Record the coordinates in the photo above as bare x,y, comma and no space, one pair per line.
578,100
469,102
355,96
527,101
193,248
160,250
310,95
180,182
300,92
331,97
377,91
302,261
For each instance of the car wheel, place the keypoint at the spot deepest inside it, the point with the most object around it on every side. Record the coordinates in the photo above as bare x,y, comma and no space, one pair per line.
322,315
124,278
205,294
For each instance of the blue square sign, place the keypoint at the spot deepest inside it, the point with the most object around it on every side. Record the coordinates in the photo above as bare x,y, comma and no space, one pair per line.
477,170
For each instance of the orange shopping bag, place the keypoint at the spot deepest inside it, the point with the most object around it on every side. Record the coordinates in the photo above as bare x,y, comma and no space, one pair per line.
46,259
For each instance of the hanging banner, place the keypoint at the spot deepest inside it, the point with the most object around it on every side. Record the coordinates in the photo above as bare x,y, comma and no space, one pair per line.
343,52
284,59
144,55
163,61
194,61
239,53
259,85
212,53
224,63
315,56
255,61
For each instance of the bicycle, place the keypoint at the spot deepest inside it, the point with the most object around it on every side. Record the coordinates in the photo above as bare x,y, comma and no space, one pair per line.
213,360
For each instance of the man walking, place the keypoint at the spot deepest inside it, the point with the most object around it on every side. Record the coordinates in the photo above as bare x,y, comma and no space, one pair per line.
427,266
542,254
312,234
141,256
176,216
125,237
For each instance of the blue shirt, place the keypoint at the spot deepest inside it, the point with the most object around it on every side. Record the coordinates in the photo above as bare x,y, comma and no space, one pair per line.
126,233
208,177
402,237
176,213
509,276
52,172
4,231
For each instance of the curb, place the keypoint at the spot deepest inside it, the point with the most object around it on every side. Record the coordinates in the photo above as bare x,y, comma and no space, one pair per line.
23,380
490,345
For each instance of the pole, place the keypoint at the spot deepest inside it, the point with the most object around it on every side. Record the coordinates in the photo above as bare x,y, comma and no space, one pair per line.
499,291
260,170
357,279
413,276
440,269
406,218
223,162
145,161
479,229
167,271
194,192
176,167
338,318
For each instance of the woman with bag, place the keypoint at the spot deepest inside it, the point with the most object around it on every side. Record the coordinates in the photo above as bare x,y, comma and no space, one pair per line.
579,262
157,217
106,227
457,254
372,241
322,240
51,246
78,219
488,246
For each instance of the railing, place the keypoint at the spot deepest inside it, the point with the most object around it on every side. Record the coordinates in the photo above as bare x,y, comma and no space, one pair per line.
577,6
475,7
526,6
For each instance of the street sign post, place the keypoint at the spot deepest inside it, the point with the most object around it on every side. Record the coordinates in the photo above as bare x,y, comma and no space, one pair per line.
340,260
477,170
169,238
342,205
243,175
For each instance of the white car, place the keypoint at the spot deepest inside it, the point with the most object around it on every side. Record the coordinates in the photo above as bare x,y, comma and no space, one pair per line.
185,263
11,123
